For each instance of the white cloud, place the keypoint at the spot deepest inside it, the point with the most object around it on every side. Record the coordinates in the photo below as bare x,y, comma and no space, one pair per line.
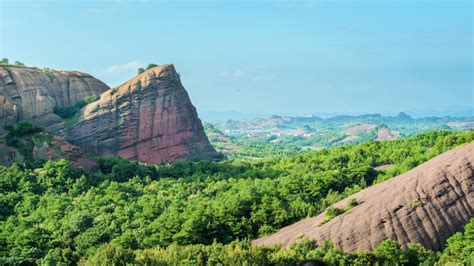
127,67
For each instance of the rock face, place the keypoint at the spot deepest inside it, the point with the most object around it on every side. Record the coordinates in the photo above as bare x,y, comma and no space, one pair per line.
425,205
149,118
59,148
31,94
47,147
9,155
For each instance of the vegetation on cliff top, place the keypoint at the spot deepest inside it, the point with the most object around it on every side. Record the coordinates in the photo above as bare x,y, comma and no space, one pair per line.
5,62
128,212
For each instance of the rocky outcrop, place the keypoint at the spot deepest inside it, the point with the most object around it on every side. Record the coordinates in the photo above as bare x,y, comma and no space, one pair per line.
425,205
58,148
149,118
9,155
46,146
31,94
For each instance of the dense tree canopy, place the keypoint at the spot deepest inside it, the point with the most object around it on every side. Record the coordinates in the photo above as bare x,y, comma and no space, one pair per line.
203,211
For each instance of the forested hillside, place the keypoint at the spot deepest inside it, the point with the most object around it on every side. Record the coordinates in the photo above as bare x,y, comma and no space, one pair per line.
205,211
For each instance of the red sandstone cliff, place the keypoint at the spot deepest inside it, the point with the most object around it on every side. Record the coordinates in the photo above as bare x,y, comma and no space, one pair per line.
31,94
425,205
149,118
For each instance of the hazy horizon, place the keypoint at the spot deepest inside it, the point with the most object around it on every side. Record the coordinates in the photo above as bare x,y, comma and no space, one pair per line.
274,57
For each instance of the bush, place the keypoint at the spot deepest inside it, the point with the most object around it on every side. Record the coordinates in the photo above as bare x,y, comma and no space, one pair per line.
21,129
71,111
151,66
16,137
331,212
92,98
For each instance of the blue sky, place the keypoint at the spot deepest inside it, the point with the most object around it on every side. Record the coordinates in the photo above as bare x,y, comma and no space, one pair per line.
265,57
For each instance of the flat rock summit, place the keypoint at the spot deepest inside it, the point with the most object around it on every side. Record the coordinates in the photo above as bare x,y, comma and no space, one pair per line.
425,205
149,118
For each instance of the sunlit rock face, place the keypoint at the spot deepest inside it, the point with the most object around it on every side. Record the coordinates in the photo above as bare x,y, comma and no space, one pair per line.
149,118
31,94
425,205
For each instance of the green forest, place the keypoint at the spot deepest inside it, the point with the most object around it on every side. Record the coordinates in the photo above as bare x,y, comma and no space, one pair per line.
206,212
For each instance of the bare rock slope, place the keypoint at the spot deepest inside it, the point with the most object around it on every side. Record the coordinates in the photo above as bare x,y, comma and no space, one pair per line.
150,118
31,94
425,205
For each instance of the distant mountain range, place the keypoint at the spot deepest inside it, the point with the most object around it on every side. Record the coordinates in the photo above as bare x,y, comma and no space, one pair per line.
220,116
313,132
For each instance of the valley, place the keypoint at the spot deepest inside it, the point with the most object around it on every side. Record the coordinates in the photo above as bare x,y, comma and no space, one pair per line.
284,135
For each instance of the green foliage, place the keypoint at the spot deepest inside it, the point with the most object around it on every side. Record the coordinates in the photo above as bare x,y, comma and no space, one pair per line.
351,204
113,91
285,136
48,72
141,70
151,66
69,111
460,247
331,212
18,63
19,137
5,62
71,114
92,98
242,253
195,212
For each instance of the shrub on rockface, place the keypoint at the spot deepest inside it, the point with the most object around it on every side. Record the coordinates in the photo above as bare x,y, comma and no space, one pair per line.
69,112
19,137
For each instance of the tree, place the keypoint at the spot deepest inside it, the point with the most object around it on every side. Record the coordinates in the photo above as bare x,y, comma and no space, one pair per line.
18,63
141,70
389,250
151,66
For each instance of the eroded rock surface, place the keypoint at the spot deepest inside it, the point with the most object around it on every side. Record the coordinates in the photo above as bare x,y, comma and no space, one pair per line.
31,94
425,205
149,118
58,148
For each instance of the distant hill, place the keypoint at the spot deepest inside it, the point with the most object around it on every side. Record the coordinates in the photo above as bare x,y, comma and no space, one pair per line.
290,134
